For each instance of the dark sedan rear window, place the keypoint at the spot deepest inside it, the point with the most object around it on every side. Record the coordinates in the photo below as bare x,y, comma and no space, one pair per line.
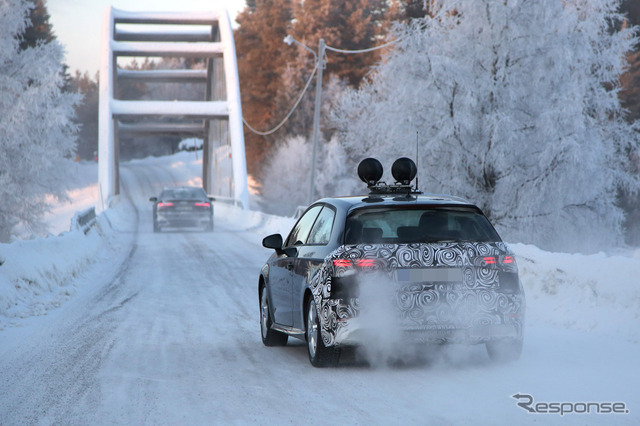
395,225
183,194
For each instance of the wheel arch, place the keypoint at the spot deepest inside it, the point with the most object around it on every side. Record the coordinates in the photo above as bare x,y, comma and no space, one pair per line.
305,303
261,286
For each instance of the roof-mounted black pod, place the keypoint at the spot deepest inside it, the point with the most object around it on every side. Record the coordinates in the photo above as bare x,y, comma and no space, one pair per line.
370,171
404,170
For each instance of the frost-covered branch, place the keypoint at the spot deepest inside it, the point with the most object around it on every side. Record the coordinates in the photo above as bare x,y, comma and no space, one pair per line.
37,136
516,103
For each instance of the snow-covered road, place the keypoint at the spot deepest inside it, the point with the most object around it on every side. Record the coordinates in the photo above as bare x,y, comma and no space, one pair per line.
165,331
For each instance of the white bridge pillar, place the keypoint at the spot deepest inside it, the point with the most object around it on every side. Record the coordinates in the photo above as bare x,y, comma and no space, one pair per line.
217,118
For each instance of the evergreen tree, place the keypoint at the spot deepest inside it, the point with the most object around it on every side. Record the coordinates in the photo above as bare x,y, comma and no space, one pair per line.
272,74
343,25
262,59
86,114
352,25
629,201
631,8
406,10
40,29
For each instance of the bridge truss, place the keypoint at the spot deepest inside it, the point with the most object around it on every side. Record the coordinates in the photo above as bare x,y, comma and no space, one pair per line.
202,38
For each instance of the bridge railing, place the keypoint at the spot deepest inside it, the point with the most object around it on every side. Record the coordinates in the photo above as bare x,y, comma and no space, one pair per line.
229,200
84,220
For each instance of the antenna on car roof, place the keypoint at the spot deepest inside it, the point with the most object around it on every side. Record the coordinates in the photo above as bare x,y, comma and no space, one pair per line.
417,160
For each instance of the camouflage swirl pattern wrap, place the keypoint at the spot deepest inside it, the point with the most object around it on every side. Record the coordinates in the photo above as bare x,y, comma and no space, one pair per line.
472,301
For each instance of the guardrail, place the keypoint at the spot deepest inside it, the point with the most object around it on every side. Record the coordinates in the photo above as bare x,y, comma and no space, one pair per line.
84,220
229,200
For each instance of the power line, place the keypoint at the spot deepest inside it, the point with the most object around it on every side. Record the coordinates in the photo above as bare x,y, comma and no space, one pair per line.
275,129
304,90
371,49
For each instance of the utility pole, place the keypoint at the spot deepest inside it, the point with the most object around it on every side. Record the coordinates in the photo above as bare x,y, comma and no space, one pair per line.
316,118
319,62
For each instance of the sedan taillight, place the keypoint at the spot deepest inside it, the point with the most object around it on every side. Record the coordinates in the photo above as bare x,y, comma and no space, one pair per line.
202,205
165,204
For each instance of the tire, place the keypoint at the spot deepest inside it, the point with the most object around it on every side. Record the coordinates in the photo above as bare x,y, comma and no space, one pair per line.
156,227
504,350
270,337
209,227
319,354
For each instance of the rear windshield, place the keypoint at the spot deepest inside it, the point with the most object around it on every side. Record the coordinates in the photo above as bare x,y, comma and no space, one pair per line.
418,225
183,194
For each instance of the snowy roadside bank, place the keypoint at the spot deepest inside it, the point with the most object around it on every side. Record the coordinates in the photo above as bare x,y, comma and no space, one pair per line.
35,275
40,274
596,293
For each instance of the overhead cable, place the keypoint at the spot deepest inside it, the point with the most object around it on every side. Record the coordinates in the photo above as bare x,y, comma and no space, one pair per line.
275,129
304,90
371,49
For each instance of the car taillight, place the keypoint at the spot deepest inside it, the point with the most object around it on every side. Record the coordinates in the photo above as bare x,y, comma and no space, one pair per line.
165,204
493,260
342,263
361,263
202,205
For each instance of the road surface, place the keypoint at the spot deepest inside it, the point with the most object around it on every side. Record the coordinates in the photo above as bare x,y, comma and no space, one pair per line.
166,331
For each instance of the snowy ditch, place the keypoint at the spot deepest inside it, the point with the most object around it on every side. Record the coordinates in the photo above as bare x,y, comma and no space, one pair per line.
593,293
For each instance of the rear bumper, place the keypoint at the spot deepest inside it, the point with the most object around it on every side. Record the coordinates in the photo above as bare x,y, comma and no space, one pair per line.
467,316
180,219
440,292
353,332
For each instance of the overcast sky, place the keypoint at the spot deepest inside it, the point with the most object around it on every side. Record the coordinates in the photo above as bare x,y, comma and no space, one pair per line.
78,23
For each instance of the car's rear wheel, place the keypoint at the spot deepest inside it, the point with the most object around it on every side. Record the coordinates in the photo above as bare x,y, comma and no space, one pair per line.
319,354
270,337
209,227
504,350
156,227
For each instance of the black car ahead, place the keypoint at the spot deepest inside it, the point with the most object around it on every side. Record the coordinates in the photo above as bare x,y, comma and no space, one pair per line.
182,206
436,260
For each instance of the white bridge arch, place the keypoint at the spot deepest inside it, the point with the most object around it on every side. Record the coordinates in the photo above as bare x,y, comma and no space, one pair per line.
217,118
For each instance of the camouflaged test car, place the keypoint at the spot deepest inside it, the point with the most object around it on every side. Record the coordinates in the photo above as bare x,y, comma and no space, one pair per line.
446,272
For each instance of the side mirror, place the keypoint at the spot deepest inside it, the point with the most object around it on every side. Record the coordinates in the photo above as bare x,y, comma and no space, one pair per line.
212,199
154,199
291,251
273,242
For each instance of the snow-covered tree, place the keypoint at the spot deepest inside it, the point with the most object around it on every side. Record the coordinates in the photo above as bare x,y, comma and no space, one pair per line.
288,169
515,106
37,135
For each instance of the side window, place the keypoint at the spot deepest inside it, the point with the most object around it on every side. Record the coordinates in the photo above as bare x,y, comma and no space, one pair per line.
300,232
321,231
